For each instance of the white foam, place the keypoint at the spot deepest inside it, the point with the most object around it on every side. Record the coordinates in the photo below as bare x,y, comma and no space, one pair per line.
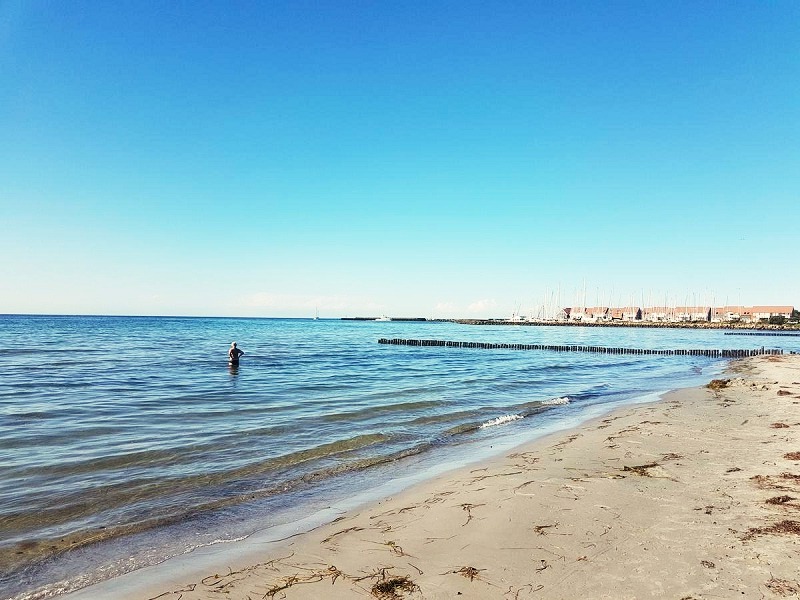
501,420
556,401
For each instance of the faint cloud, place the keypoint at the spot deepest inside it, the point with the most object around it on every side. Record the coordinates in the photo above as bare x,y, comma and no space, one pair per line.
482,306
265,300
280,304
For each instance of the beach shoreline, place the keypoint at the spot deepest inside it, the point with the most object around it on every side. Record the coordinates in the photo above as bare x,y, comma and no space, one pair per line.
694,496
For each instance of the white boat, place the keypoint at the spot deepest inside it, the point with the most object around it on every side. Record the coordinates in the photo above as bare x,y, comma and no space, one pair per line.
383,318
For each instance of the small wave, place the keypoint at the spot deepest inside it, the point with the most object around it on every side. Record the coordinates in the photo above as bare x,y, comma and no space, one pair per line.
501,421
556,401
240,538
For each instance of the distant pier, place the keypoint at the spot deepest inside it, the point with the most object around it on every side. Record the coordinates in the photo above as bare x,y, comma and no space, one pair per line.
716,353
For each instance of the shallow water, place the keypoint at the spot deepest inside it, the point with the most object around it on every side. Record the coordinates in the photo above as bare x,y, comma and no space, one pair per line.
117,432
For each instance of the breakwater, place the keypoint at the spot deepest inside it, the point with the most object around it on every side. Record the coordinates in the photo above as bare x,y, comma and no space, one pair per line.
712,353
403,319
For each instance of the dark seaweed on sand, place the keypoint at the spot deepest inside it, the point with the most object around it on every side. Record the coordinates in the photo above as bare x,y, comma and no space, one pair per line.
393,588
779,500
781,528
641,469
718,384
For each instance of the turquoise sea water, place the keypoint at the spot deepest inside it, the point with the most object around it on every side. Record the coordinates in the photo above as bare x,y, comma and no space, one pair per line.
126,440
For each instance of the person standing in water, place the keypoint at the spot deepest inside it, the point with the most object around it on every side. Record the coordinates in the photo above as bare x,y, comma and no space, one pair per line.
234,353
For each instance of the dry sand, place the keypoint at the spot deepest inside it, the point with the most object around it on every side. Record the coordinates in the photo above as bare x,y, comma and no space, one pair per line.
695,496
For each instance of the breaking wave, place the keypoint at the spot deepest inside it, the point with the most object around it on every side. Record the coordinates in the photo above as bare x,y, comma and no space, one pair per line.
500,421
556,401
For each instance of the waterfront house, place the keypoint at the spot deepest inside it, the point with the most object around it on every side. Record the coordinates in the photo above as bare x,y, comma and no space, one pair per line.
626,313
692,313
597,313
750,314
657,313
732,314
763,313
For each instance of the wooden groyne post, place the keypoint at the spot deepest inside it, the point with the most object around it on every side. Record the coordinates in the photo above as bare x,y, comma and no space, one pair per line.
711,353
763,333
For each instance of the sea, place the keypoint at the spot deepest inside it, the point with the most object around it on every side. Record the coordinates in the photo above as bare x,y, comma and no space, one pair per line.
126,441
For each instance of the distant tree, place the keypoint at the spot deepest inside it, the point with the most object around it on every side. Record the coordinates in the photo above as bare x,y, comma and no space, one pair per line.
777,320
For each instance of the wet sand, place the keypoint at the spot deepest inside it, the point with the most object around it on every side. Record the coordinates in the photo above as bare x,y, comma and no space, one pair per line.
696,496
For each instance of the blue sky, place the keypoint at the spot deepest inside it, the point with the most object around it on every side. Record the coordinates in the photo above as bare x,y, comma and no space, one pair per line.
438,159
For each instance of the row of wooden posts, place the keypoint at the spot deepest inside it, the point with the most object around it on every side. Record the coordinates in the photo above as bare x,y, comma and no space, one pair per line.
767,333
598,349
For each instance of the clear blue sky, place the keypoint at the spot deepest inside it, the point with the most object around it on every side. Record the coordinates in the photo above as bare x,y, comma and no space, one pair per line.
437,159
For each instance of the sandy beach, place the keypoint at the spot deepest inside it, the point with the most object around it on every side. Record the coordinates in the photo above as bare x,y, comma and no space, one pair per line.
696,496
